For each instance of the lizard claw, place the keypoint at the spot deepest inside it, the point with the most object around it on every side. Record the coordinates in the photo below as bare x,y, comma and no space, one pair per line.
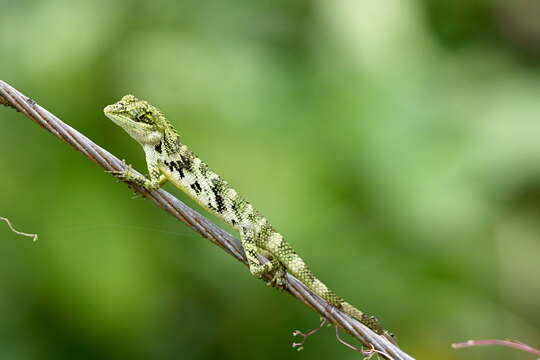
122,174
390,337
278,280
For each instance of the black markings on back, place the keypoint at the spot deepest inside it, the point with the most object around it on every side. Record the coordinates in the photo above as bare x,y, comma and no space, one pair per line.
217,189
196,187
251,252
220,203
203,168
177,166
180,168
235,208
186,161
181,173
238,207
170,165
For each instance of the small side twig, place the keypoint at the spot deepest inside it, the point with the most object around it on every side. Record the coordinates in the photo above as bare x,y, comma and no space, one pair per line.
368,353
33,236
9,96
300,346
491,342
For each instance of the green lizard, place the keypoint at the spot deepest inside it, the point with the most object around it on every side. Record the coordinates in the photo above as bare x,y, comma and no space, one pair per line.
168,159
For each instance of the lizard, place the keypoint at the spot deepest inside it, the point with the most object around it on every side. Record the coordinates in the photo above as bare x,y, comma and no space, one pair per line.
168,159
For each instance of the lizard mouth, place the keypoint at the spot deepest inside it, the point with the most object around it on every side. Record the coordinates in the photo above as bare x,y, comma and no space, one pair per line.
117,117
113,109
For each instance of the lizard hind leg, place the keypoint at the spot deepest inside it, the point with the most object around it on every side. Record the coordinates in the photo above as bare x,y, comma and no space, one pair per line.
256,267
279,280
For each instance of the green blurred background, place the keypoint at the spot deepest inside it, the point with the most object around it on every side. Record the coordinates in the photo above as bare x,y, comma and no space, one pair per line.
395,144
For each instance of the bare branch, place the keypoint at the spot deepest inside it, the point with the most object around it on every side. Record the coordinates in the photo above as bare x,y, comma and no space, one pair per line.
508,343
13,98
33,236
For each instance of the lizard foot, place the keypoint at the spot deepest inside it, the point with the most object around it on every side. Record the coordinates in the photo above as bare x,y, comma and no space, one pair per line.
122,174
390,337
279,279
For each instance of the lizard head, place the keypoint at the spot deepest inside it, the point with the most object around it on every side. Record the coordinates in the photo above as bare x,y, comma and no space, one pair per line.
139,119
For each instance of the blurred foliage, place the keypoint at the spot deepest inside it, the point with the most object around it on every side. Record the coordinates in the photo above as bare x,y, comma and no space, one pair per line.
396,144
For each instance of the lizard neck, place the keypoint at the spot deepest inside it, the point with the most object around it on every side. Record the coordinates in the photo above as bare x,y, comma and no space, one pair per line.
171,141
169,146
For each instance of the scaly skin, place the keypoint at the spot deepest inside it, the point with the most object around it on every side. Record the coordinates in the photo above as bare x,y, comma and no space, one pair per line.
168,159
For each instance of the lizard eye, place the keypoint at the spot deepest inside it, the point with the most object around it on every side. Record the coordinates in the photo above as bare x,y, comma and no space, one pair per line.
141,117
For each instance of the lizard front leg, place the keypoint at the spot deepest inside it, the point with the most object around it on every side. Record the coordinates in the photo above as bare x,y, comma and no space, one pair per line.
153,183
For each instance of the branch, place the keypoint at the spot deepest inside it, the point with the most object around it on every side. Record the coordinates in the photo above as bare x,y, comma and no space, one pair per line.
508,343
9,96
33,236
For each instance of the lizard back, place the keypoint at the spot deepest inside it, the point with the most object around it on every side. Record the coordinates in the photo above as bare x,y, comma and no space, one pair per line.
189,173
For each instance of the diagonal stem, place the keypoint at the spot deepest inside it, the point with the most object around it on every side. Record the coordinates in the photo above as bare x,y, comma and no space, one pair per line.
11,97
508,343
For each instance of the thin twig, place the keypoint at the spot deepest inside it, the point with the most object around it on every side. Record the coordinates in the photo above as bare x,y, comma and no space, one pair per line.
508,343
11,97
300,346
33,236
367,353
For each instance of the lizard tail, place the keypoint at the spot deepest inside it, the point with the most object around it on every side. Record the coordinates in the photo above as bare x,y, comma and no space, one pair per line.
370,321
296,266
319,288
324,292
